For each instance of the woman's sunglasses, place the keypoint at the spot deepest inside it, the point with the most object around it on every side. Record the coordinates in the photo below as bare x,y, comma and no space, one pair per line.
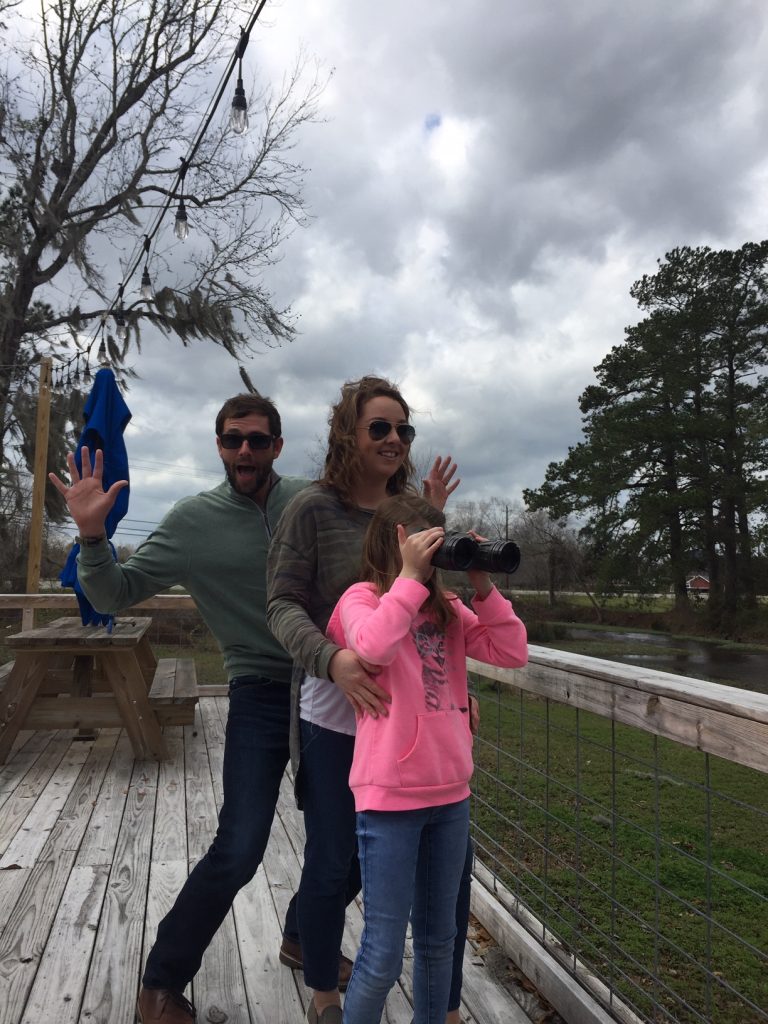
379,429
256,442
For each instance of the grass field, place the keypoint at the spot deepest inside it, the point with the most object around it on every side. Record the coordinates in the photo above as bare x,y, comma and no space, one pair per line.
640,862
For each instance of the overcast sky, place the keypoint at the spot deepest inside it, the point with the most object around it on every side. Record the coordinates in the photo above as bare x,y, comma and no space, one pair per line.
489,179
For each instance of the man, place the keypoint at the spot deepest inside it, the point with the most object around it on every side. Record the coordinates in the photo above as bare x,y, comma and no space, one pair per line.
215,544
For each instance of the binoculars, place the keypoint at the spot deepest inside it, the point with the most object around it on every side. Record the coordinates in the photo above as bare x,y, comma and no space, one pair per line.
459,552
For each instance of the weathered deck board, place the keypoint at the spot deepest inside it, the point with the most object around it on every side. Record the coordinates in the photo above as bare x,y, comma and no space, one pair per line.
26,930
21,798
103,844
61,975
111,990
169,860
218,986
25,847
12,776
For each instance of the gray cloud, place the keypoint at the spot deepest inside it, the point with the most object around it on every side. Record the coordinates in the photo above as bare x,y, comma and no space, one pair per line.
484,262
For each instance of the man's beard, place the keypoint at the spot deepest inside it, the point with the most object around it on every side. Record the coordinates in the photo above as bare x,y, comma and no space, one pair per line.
252,483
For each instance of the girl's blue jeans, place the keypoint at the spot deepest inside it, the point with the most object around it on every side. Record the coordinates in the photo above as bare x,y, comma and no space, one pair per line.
411,864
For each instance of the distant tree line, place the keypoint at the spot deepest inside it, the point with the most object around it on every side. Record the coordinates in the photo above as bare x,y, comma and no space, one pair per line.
671,476
553,558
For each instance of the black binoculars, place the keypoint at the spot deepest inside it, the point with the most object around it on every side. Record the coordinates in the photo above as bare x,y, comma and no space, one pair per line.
459,552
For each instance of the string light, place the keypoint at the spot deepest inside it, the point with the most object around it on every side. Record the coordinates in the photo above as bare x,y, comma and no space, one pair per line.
121,328
103,358
239,124
238,117
181,224
147,291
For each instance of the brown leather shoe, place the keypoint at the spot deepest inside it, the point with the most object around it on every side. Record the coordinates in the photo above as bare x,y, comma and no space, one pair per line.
291,956
163,1006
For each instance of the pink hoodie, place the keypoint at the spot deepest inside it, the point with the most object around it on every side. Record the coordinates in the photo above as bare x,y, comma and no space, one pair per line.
421,754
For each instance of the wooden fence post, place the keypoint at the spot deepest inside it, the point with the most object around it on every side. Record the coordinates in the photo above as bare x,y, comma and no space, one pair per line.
35,549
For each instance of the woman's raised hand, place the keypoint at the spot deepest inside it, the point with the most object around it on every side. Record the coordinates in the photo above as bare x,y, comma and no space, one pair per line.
417,550
439,484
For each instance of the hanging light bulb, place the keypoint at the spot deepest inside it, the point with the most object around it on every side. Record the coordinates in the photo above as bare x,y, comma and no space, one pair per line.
77,371
147,291
102,353
238,116
121,328
87,373
181,224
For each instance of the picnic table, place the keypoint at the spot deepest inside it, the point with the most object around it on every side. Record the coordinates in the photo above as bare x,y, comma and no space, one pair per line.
69,676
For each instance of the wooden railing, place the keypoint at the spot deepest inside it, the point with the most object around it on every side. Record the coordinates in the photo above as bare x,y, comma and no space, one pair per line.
622,833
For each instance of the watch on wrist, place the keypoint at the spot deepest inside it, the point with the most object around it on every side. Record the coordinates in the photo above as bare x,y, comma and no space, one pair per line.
91,542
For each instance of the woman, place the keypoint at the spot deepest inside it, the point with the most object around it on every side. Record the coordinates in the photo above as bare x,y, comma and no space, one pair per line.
315,555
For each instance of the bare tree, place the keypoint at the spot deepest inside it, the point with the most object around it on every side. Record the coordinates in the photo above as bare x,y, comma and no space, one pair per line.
555,554
101,102
490,517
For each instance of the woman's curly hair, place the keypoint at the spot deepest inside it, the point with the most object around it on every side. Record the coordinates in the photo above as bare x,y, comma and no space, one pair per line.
342,458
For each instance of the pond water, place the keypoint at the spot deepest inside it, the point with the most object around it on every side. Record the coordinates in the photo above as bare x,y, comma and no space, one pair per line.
699,659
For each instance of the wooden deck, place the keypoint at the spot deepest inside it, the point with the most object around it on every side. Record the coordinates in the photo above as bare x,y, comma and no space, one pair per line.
94,846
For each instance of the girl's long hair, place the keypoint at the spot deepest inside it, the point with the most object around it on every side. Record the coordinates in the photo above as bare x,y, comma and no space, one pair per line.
342,458
381,551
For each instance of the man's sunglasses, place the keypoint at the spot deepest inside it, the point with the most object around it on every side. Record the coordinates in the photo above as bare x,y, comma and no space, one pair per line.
256,442
379,429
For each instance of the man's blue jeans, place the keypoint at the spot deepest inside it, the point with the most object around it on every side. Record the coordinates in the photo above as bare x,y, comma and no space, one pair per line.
412,864
255,756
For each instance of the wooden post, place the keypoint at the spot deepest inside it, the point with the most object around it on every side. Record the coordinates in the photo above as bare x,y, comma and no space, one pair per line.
35,549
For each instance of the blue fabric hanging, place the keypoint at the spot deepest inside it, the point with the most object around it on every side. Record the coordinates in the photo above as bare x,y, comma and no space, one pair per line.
106,416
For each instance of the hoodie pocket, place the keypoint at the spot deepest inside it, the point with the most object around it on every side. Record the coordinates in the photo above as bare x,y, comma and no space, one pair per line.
441,753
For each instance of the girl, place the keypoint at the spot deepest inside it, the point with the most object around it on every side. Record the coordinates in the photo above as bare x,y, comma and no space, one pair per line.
411,769
315,555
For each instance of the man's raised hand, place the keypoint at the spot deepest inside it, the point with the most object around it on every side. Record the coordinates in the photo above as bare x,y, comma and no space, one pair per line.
88,503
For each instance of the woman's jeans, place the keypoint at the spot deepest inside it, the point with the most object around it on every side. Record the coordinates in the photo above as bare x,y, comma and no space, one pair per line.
462,924
330,878
255,756
412,864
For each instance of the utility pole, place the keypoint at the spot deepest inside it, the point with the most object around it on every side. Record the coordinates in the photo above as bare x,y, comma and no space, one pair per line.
506,536
35,548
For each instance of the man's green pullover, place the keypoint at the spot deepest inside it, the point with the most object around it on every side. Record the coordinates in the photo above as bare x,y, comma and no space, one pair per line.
215,545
